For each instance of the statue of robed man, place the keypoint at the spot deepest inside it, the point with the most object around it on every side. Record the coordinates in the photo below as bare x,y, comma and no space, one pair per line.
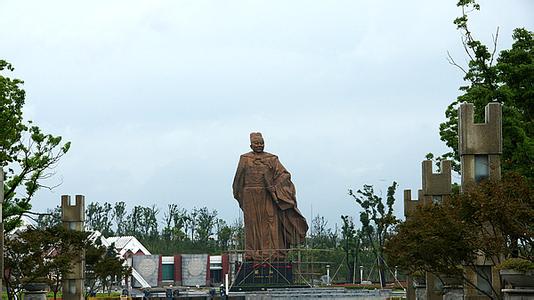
265,193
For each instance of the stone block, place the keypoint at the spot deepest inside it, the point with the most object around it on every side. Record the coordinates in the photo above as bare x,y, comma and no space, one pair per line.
409,203
148,267
73,218
436,184
194,269
480,138
453,294
73,213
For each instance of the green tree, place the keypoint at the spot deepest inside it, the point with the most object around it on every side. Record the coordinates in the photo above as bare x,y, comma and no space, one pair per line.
104,267
99,217
492,219
321,236
350,243
143,222
25,150
238,234
224,235
507,79
40,255
377,220
174,219
119,212
206,220
51,218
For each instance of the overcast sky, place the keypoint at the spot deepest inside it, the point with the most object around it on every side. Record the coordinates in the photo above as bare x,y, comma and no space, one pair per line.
159,97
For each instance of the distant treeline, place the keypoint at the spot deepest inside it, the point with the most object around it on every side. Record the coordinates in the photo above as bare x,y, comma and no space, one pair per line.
197,230
200,230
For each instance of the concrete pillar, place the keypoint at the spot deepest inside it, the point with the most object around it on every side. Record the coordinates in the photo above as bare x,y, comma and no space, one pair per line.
35,291
479,144
73,217
1,228
409,206
436,186
436,189
480,149
409,203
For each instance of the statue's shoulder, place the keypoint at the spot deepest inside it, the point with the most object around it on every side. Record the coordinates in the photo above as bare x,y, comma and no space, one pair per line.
264,155
247,155
269,155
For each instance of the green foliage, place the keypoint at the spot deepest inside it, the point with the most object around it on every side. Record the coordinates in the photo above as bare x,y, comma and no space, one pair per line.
142,222
492,219
350,243
519,264
11,123
506,79
119,213
40,255
25,150
196,231
224,235
104,267
321,236
205,223
377,219
51,218
99,217
175,220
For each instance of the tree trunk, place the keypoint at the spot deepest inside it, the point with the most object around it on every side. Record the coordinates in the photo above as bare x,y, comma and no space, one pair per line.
381,271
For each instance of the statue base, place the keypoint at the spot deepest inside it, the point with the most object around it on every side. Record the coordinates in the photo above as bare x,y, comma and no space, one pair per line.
262,275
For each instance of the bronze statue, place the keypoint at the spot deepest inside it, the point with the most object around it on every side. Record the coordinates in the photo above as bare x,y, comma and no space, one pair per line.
265,193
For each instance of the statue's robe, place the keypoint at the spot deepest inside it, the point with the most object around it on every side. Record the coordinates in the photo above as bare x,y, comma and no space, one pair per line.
265,193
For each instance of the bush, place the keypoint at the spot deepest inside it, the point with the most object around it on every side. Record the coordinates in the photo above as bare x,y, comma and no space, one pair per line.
519,264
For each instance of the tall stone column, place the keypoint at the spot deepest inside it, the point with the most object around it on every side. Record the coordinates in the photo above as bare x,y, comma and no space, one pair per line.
480,149
436,189
414,288
1,228
480,144
73,217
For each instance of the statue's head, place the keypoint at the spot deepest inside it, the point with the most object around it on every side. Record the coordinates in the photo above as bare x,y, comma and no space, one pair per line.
256,142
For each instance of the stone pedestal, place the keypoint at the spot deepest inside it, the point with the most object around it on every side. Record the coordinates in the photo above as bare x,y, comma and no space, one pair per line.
36,295
420,292
520,284
453,293
35,291
195,270
518,294
275,274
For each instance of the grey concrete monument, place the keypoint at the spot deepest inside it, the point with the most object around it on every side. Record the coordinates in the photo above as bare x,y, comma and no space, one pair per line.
480,149
1,227
73,217
414,287
409,203
480,144
436,189
436,186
